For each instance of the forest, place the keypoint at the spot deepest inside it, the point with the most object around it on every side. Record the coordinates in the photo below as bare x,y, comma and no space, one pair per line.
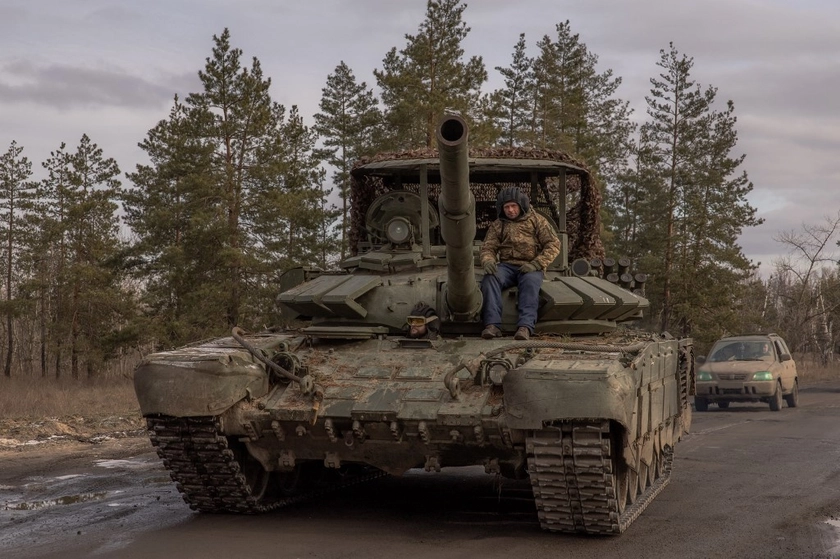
102,264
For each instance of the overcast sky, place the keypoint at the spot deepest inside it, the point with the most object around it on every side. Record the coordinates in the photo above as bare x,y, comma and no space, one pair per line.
110,69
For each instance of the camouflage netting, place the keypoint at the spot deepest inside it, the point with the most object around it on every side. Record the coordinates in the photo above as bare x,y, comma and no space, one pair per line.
584,198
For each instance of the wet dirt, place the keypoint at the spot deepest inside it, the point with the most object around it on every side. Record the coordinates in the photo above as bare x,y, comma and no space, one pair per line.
747,483
63,494
18,433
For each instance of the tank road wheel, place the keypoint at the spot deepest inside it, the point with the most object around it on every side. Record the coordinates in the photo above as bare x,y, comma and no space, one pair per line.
627,483
723,404
268,488
701,404
776,398
256,477
259,482
644,476
792,399
621,483
655,468
289,483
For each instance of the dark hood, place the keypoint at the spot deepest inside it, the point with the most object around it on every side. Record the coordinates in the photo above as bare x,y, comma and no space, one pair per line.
512,194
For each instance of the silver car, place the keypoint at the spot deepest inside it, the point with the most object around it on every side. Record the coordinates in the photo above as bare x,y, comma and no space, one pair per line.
755,368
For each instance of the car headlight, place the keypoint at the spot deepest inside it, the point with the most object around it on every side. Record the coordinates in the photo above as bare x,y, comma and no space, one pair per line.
704,375
763,375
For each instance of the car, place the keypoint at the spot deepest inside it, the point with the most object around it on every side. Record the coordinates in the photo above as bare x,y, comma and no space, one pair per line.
753,368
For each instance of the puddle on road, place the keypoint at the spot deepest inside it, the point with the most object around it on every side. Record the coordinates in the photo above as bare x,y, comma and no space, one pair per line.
66,500
124,464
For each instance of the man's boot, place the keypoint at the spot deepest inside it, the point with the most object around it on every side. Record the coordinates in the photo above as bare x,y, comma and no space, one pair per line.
522,333
490,332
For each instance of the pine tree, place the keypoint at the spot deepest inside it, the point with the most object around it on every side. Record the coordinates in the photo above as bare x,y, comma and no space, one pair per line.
429,76
174,211
287,214
605,141
55,200
236,112
16,194
695,206
558,97
232,196
626,196
95,291
348,124
289,217
76,212
574,107
516,98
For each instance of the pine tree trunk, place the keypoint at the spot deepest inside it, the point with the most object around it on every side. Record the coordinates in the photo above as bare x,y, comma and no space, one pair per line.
8,370
235,195
9,246
669,264
344,226
43,324
74,334
58,359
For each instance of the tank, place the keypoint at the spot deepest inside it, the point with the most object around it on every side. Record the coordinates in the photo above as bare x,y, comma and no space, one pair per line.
589,409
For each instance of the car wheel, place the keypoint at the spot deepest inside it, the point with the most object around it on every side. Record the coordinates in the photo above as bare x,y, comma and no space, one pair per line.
723,405
792,399
701,404
776,398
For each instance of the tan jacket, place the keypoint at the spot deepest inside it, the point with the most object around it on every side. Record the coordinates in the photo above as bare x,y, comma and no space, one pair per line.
530,238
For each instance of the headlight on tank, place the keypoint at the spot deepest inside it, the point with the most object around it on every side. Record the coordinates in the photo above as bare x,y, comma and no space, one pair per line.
398,230
763,375
493,371
497,373
704,375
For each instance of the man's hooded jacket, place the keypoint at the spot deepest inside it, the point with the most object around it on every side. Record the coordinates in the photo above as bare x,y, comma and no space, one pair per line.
528,238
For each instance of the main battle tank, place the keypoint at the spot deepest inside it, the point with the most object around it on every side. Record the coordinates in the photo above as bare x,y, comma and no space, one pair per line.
587,409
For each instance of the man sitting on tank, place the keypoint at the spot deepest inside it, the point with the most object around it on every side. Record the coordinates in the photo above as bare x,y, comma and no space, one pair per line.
517,249
423,322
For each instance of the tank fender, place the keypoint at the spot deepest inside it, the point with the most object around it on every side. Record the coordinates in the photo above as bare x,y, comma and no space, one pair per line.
531,402
533,397
182,387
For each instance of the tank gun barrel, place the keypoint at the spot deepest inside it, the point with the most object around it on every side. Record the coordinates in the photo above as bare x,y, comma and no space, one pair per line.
457,217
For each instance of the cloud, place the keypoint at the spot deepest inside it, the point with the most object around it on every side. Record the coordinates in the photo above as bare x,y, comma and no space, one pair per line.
110,69
64,86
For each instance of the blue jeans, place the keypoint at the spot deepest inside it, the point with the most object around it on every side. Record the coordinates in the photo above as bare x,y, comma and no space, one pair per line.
508,275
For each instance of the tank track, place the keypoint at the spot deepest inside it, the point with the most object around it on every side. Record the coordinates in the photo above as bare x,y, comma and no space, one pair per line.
208,473
574,482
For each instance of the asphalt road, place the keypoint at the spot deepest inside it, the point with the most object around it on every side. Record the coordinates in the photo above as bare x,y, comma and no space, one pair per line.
747,483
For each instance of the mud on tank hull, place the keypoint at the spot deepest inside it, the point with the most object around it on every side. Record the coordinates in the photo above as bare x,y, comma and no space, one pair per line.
591,423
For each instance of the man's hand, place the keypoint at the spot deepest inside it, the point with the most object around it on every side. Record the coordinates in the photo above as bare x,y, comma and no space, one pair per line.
529,267
490,267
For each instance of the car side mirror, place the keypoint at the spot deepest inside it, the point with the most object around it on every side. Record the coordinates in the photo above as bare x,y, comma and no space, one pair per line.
785,357
700,359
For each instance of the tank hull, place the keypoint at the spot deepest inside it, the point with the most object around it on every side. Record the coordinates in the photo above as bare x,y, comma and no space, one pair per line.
526,409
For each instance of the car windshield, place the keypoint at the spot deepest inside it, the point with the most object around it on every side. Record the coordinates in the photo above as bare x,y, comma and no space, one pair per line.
741,351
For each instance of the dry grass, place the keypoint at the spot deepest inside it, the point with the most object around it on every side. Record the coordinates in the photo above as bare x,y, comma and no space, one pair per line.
811,372
35,397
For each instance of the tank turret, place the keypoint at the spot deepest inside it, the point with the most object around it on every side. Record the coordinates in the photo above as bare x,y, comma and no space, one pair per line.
457,218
